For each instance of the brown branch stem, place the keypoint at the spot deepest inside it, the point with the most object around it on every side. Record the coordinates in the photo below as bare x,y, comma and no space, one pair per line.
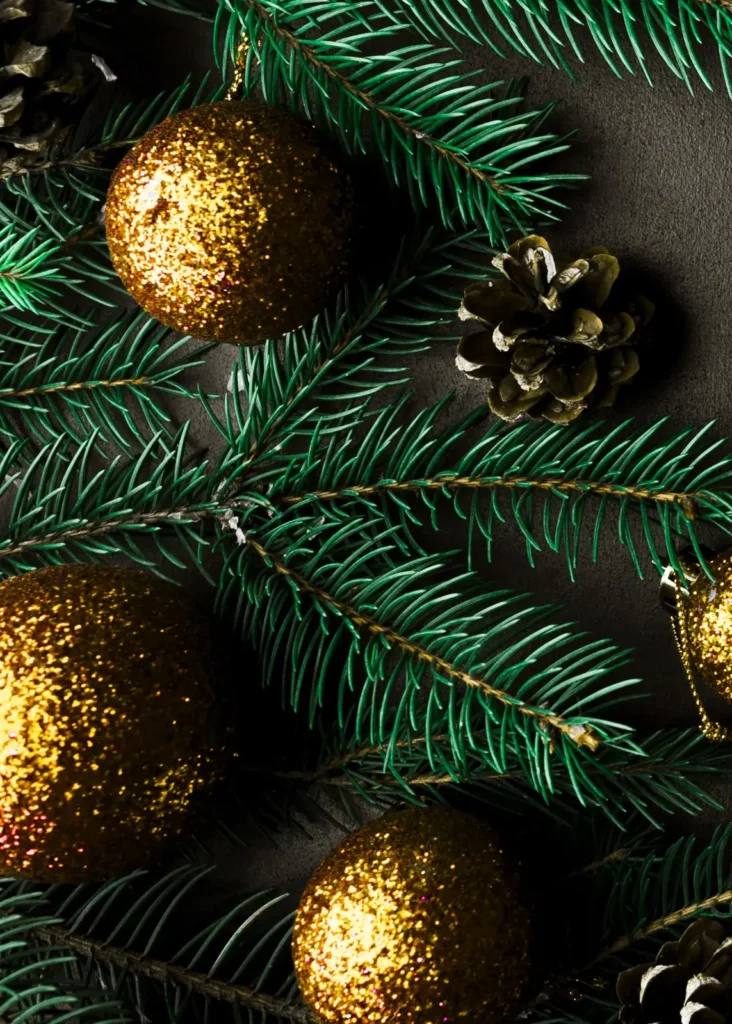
582,735
86,385
99,529
82,161
662,923
451,481
141,966
325,773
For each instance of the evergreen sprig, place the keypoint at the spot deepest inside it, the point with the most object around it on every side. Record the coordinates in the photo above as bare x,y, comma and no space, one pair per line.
557,485
670,777
68,188
421,652
625,34
662,892
451,142
33,987
134,938
110,379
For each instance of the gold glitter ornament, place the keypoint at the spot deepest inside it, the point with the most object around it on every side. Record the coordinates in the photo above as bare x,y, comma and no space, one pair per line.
702,621
230,222
107,720
416,918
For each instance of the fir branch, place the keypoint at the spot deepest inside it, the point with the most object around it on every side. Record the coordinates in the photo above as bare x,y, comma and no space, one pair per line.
110,379
582,735
308,53
66,506
322,379
117,936
454,143
666,922
136,965
671,774
34,987
442,653
34,270
658,892
68,189
661,485
624,35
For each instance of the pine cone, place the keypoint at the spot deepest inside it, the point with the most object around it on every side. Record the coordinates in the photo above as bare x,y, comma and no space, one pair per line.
689,983
39,79
547,350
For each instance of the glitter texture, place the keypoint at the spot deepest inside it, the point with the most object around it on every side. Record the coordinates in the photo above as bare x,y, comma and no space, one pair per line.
415,918
230,223
709,625
106,720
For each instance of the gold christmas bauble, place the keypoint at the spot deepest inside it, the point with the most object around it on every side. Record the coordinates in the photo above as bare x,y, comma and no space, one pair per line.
708,626
230,222
417,918
107,720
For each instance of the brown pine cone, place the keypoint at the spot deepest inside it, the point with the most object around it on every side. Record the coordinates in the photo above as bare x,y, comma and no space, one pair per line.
40,78
553,342
690,981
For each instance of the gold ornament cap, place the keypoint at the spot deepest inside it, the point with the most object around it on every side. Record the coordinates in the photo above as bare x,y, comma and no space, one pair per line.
108,720
230,222
417,918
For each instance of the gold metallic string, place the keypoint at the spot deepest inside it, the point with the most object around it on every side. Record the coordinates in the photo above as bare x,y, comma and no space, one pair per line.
240,63
713,731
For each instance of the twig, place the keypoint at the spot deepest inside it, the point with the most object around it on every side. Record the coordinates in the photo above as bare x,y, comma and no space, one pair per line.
86,385
174,516
662,923
450,481
258,446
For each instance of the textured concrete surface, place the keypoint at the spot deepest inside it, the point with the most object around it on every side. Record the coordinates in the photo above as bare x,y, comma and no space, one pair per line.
658,198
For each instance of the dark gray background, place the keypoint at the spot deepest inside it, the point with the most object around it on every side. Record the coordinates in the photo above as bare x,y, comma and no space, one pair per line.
658,198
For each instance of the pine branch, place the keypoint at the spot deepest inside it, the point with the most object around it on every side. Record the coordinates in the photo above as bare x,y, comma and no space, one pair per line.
321,381
109,379
663,924
34,988
35,269
671,775
125,936
136,965
455,144
582,735
624,34
650,897
452,482
662,486
441,653
69,188
66,506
